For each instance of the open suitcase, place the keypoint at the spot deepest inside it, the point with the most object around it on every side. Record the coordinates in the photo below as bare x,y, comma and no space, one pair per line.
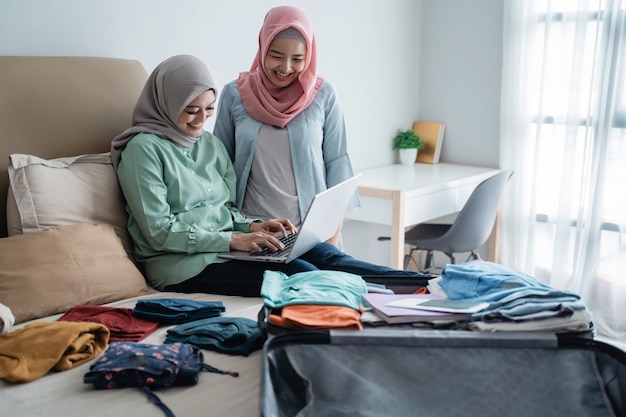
447,373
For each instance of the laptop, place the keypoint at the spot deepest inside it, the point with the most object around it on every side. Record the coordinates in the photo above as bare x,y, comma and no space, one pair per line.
322,219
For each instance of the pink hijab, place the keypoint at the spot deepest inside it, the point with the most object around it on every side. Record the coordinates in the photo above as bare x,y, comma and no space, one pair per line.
267,103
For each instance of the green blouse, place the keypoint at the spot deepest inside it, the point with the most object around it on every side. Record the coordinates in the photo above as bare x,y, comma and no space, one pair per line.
181,205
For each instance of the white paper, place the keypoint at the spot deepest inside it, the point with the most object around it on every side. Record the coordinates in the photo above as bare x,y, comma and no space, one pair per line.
449,306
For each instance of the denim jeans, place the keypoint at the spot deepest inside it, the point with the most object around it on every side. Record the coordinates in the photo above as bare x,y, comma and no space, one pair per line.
245,277
327,256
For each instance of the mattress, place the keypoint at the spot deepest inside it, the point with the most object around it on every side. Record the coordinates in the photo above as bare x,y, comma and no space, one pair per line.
65,394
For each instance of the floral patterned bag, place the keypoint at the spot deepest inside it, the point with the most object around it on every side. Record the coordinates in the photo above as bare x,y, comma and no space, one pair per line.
131,364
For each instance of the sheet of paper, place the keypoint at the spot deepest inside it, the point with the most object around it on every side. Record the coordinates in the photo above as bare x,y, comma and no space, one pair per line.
450,306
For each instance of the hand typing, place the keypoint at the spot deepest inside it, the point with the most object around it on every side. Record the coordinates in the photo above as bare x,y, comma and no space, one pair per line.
263,235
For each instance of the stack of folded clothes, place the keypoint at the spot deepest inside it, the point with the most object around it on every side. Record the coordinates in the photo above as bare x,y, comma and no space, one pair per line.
517,302
201,323
314,299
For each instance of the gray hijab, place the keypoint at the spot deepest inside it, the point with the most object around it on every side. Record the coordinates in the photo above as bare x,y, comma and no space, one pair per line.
169,89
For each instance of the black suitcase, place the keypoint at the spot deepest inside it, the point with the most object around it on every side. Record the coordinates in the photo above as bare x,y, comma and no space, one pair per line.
389,373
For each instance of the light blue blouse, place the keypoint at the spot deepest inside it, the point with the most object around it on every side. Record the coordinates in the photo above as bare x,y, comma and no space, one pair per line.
317,137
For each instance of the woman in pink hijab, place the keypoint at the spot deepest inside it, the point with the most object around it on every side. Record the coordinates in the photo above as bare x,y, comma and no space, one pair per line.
282,123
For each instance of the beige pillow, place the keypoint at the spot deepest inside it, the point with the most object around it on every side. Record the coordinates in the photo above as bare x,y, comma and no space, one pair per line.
64,191
48,272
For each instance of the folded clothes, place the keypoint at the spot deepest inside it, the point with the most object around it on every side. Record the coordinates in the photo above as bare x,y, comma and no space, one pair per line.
120,321
231,335
491,282
32,351
530,307
313,287
177,310
579,320
308,316
517,301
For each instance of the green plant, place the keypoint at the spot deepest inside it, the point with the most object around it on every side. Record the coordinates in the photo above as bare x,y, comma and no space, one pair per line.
407,139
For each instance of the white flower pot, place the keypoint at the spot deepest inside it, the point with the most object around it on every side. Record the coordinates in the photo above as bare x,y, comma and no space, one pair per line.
407,156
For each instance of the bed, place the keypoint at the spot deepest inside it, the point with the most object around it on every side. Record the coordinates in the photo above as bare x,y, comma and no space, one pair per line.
63,240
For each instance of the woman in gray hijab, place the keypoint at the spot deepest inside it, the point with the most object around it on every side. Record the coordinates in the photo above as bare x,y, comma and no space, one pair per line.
179,185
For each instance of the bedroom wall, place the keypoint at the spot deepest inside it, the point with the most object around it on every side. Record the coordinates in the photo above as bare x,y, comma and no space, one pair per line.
392,62
372,60
460,49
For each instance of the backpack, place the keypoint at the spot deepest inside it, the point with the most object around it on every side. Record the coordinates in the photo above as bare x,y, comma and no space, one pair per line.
132,364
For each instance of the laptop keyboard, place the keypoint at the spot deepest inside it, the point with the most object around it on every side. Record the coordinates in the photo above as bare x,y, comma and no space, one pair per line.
288,241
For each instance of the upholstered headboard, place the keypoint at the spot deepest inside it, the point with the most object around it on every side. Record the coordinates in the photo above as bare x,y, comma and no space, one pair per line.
55,107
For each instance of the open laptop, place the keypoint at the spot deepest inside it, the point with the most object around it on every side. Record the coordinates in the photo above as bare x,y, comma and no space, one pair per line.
320,223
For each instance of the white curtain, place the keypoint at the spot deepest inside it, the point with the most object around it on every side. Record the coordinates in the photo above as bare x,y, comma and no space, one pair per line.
563,130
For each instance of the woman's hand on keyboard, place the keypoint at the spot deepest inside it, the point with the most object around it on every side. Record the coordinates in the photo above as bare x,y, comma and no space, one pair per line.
279,227
263,235
255,241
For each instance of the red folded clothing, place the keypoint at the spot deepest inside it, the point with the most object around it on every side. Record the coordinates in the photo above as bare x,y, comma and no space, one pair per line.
120,321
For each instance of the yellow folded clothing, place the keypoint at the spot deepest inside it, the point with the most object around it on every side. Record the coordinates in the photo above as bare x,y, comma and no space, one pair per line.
32,351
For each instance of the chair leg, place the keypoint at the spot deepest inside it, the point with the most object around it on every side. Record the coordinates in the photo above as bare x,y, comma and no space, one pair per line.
473,255
429,263
409,257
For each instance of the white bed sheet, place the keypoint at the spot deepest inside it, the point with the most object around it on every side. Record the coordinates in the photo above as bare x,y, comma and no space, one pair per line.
65,394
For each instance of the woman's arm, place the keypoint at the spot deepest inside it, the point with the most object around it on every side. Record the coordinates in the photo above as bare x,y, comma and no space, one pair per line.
335,143
224,127
335,148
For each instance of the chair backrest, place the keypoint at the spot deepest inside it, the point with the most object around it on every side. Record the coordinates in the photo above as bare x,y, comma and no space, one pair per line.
475,221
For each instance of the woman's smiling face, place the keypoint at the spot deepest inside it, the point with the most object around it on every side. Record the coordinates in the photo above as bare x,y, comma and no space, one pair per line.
284,61
191,121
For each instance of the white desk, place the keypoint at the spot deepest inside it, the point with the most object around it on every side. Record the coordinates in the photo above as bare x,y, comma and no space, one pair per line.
404,195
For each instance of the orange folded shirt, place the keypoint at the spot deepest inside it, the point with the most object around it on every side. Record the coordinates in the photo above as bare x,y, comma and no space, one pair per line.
313,316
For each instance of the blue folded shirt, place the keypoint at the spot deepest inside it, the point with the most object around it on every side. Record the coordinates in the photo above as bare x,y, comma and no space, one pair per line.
177,310
494,283
231,335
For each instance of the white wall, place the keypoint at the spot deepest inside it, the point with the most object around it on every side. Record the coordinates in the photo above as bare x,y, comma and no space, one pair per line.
460,62
392,61
366,48
461,66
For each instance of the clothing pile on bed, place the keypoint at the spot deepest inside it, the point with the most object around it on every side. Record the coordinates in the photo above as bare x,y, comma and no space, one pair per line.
86,331
517,302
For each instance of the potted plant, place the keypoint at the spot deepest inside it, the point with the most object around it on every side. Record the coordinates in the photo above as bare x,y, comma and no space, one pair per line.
407,143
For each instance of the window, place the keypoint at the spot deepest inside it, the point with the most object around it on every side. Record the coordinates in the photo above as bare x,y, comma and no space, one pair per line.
581,116
564,133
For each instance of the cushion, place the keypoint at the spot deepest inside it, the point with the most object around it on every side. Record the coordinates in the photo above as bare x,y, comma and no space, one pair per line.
49,272
64,191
